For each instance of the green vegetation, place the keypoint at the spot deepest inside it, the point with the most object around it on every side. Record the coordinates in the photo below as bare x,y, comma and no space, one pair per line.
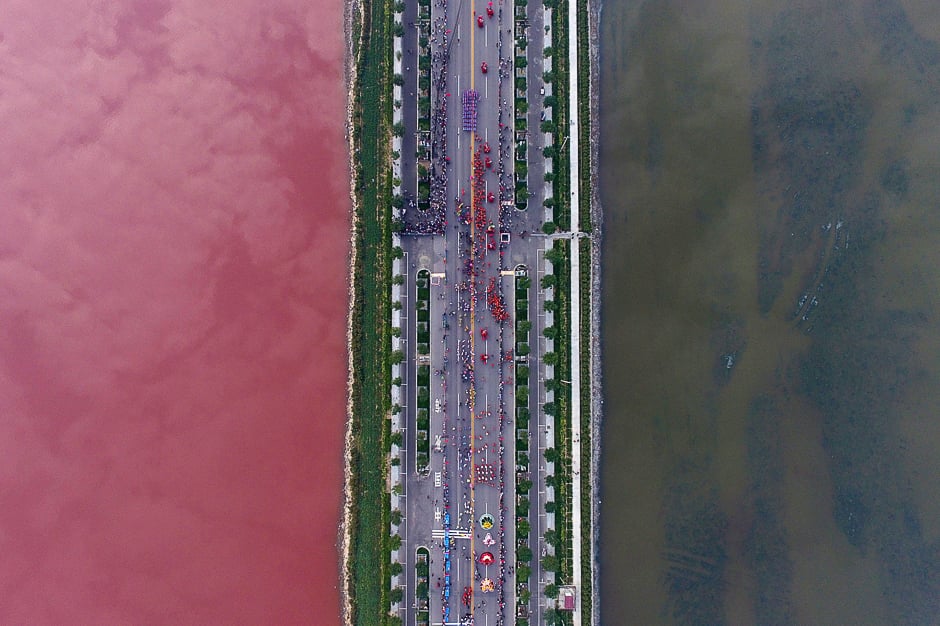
523,327
560,562
371,357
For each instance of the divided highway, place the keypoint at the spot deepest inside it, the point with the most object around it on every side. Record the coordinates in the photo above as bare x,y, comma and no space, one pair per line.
467,247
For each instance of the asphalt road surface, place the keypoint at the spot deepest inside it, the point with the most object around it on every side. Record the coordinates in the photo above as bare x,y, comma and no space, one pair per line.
472,265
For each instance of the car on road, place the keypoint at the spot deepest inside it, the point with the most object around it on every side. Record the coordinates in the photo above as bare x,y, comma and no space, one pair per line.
488,162
484,67
480,21
491,197
489,9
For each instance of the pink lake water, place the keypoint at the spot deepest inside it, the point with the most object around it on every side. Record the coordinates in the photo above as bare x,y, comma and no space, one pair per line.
174,220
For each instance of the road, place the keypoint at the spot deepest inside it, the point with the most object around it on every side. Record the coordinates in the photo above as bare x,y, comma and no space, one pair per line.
470,246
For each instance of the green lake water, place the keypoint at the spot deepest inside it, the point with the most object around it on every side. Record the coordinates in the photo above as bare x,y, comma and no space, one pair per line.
770,175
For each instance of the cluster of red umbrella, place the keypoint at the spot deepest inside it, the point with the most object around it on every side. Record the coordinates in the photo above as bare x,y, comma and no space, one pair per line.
495,301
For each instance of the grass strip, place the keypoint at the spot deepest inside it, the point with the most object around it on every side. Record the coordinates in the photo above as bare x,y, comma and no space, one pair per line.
370,579
586,538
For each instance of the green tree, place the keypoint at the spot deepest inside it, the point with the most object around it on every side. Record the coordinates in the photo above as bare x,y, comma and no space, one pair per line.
398,129
398,279
549,228
550,101
550,358
548,280
396,357
397,252
554,256
524,554
549,152
550,408
396,518
550,506
396,595
396,438
552,455
396,305
395,568
523,349
523,326
551,591
524,283
551,537
396,409
396,332
550,332
550,562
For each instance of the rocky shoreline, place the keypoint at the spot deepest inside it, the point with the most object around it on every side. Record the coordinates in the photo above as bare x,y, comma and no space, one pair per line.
353,11
594,8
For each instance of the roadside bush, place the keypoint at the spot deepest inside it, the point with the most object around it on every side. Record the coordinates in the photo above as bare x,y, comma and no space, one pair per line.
522,372
548,281
523,349
524,554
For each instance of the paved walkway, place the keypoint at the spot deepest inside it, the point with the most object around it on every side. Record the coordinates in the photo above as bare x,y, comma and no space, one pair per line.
575,179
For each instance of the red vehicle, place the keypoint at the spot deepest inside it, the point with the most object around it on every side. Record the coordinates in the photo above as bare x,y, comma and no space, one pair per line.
488,162
480,21
486,147
491,197
484,357
484,67
489,10
484,333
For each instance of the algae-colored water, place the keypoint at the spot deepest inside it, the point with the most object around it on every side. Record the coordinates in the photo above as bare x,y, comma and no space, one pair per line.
770,183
